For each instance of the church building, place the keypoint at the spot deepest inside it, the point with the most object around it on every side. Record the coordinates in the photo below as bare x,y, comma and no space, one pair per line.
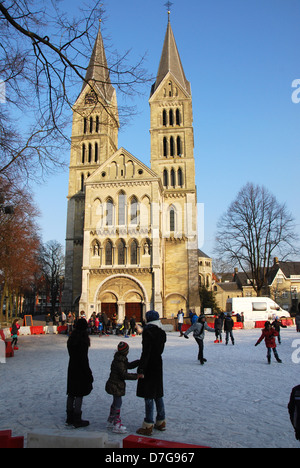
132,242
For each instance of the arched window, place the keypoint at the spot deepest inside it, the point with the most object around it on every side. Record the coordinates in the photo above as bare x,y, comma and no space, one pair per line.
83,154
172,147
91,124
97,124
134,215
178,119
90,153
82,183
179,152
134,252
173,181
96,152
172,219
165,147
109,212
121,252
165,178
122,209
84,125
171,118
180,177
108,253
164,118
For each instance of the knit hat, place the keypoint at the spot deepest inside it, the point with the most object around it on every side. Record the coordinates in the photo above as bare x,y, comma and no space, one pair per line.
81,324
123,347
152,316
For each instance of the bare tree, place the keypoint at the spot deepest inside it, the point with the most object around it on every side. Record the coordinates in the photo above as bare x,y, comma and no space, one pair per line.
52,263
43,61
256,228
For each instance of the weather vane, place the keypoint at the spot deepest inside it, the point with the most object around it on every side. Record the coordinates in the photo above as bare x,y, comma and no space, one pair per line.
168,5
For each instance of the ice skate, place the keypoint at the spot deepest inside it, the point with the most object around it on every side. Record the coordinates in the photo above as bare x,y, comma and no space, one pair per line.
118,428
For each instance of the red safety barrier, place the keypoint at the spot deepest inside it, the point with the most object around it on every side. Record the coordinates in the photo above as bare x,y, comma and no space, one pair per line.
62,329
289,322
238,326
133,441
9,352
260,324
37,330
7,441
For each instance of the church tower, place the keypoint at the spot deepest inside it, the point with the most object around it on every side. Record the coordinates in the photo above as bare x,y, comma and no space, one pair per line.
94,139
172,158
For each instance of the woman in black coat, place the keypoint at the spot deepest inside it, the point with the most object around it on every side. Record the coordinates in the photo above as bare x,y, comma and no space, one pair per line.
151,367
80,377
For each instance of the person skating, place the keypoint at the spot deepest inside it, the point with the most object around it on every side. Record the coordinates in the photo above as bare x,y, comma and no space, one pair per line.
269,334
151,367
218,327
116,386
198,329
277,324
228,327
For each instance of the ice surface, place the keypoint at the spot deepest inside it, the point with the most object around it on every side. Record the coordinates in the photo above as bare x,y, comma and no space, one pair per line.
235,400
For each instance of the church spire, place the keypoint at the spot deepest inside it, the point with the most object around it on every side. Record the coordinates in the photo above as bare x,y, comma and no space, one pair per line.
98,71
170,62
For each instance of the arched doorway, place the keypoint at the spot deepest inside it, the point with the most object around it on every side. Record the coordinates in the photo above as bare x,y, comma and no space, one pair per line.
122,294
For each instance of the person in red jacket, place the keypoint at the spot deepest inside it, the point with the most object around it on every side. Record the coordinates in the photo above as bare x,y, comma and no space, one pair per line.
269,334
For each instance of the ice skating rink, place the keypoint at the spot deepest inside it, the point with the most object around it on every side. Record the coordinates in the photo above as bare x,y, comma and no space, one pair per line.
235,400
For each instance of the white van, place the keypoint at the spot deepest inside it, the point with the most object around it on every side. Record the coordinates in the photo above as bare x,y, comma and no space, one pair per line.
255,308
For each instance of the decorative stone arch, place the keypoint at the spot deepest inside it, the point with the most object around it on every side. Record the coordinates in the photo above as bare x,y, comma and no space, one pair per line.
121,285
173,303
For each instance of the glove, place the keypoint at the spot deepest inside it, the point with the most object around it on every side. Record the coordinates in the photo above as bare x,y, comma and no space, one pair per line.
187,337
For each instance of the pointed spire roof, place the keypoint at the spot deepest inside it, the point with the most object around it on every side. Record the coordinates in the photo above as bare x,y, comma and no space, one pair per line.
98,70
170,62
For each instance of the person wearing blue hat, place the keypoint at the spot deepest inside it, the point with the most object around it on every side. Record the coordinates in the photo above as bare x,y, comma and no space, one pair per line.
151,367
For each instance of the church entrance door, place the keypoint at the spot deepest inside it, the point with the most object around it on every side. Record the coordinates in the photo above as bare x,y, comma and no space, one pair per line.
134,309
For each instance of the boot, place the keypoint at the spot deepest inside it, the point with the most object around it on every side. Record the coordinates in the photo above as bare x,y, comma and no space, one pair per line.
146,429
70,418
78,422
160,425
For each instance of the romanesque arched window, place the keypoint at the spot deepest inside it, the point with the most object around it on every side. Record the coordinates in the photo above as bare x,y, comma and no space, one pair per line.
180,177
165,143
172,147
83,154
173,178
96,152
178,143
171,118
165,178
134,252
134,214
122,209
178,117
172,219
165,118
109,212
121,252
108,253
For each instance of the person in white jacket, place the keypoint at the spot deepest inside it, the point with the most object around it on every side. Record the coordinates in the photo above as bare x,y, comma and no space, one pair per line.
198,329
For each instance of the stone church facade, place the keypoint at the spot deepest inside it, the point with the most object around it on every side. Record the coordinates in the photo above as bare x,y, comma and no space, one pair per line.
132,241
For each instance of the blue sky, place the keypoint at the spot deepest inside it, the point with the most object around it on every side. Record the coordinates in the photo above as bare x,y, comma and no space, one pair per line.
241,57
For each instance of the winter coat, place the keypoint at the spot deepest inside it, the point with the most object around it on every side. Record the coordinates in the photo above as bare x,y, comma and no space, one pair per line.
218,323
269,337
80,377
228,324
116,385
294,410
151,364
198,330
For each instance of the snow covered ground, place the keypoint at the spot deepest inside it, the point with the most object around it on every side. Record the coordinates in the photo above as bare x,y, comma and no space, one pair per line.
235,400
